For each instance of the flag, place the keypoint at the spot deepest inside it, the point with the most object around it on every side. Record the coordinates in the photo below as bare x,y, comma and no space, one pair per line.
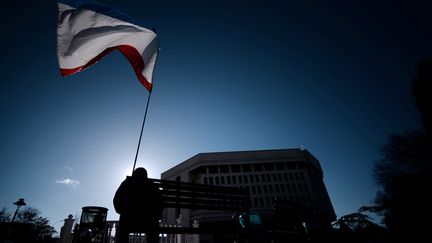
87,31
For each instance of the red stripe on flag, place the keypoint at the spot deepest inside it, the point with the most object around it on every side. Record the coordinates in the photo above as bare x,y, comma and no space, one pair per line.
133,56
137,62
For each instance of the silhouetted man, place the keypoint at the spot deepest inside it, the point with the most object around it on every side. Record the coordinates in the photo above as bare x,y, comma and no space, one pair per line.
138,201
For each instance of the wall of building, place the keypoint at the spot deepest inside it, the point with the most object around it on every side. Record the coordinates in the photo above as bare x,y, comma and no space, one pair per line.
292,175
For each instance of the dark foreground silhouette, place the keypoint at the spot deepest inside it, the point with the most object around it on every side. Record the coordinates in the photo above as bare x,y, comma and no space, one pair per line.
139,203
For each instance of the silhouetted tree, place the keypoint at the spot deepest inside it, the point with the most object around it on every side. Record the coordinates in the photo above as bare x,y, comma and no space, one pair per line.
358,227
4,215
404,171
354,221
403,174
422,90
40,230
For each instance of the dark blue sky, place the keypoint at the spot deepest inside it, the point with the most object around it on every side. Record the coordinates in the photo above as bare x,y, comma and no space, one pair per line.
334,77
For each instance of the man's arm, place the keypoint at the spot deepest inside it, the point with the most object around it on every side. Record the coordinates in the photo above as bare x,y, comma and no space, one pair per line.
119,198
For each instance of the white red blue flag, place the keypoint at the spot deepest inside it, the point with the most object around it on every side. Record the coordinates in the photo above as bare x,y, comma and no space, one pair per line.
87,31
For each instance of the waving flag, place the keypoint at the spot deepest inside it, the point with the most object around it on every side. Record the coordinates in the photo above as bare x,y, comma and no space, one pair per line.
87,31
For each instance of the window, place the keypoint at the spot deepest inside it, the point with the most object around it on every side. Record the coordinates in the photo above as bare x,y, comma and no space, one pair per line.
282,186
290,166
255,201
274,177
302,175
253,190
280,177
258,167
280,166
235,168
288,187
213,169
211,180
296,176
261,200
300,187
291,176
234,179
257,178
305,187
259,189
224,169
228,179
245,178
240,179
205,180
268,167
222,179
270,188
217,180
263,178
268,177
277,188
285,176
265,188
247,168
251,178
294,187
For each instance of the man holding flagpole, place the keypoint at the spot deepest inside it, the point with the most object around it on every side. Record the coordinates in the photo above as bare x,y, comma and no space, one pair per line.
86,32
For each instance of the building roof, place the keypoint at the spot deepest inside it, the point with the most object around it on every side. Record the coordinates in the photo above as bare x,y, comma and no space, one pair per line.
244,157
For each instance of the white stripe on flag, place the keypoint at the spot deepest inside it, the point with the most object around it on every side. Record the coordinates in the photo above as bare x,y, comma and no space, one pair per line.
85,36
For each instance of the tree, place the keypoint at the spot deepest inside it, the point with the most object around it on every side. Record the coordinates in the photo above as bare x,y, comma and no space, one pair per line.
354,221
29,226
404,171
4,215
421,91
358,227
41,231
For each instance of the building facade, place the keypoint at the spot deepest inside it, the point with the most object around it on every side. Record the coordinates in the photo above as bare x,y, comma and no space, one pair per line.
290,175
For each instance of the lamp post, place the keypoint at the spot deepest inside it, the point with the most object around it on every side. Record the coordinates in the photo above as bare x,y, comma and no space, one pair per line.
19,204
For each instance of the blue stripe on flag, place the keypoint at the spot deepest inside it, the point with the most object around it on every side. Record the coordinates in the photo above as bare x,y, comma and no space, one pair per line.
99,8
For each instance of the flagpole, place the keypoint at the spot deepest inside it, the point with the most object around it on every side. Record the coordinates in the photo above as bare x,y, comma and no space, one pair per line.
142,129
145,115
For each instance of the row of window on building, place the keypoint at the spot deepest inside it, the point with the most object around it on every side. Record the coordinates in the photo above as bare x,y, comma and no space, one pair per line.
236,168
267,188
267,202
253,178
277,188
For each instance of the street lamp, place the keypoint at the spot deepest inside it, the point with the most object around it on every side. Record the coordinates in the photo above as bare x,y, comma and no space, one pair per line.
19,204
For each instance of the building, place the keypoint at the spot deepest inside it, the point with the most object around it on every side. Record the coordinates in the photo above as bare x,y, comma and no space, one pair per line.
290,175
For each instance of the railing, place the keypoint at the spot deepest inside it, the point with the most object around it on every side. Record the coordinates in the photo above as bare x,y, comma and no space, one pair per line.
112,226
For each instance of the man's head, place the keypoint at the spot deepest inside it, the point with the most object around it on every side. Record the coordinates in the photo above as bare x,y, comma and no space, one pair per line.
140,173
